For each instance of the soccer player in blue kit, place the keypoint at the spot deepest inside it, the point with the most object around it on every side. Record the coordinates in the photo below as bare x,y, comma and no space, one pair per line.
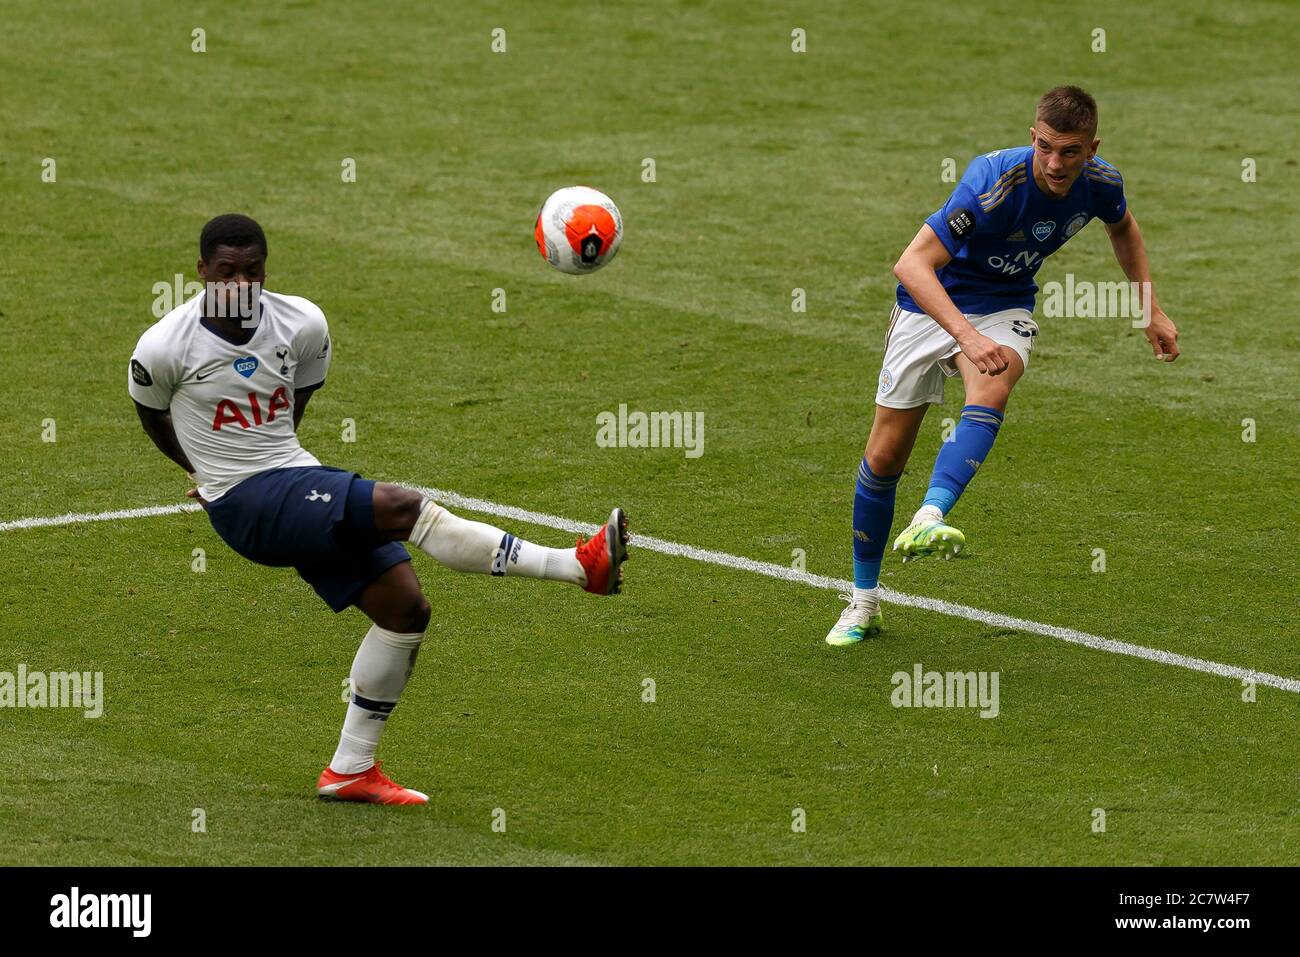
965,306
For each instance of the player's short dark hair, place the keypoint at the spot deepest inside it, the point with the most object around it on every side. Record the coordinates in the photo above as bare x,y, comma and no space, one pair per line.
1068,109
230,229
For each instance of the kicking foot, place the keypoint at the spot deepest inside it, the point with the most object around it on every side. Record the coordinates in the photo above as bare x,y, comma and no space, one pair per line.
926,536
856,622
602,558
373,786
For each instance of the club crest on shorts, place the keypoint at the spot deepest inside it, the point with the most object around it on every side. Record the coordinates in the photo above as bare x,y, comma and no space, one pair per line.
246,366
886,381
1044,229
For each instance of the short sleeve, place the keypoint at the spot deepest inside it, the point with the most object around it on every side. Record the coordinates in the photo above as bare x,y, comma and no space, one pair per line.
963,215
313,352
151,376
1108,201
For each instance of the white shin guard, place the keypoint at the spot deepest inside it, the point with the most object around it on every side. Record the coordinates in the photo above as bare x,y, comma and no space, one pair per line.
477,547
380,670
455,542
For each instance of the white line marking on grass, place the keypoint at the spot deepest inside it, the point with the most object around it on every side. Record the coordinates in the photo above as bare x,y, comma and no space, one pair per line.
888,594
77,518
726,560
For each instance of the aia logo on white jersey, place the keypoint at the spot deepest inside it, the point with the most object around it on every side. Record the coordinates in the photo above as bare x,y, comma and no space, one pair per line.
230,413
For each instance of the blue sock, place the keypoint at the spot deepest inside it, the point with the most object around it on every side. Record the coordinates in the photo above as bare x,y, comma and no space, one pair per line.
873,513
962,455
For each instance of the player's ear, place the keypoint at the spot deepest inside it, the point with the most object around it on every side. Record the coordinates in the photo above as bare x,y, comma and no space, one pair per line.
1092,150
202,269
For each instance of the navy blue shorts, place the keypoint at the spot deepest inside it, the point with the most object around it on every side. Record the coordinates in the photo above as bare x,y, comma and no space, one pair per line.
317,519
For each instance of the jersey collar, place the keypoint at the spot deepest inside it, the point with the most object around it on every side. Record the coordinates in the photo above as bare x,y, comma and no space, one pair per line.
212,328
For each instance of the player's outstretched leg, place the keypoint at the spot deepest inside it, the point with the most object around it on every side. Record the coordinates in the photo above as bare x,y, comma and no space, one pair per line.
959,458
595,565
892,435
382,667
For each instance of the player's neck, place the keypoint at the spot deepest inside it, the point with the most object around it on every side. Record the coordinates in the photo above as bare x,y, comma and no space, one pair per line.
232,330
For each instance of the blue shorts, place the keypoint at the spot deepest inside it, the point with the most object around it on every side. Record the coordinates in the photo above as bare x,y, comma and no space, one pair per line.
317,519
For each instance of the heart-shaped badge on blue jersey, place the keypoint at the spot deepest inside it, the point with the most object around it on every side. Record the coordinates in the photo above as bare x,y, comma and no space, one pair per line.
246,366
1043,230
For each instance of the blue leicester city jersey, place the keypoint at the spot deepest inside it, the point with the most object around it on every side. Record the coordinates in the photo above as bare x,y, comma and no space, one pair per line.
999,227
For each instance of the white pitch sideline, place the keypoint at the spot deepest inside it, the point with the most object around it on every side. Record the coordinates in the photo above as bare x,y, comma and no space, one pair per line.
456,500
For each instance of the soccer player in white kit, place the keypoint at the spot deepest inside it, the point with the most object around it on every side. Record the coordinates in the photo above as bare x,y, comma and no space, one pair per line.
220,384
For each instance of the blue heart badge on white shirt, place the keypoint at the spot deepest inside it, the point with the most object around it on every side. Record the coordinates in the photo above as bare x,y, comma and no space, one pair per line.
246,366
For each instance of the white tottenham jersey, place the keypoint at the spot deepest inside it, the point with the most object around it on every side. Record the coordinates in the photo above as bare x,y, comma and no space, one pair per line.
232,405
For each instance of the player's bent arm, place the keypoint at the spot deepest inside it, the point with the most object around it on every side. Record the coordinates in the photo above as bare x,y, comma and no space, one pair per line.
918,270
300,399
158,426
1131,254
1130,251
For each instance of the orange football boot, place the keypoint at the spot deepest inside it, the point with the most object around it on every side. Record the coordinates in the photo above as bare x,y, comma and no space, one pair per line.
372,786
602,558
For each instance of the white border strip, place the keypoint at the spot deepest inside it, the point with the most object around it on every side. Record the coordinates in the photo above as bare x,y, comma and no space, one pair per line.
456,500
898,598
78,518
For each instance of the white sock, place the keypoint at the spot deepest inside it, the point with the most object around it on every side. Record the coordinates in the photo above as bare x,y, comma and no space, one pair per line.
928,513
379,673
477,547
865,596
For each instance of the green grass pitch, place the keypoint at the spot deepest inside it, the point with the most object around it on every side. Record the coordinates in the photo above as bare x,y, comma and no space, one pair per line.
775,170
